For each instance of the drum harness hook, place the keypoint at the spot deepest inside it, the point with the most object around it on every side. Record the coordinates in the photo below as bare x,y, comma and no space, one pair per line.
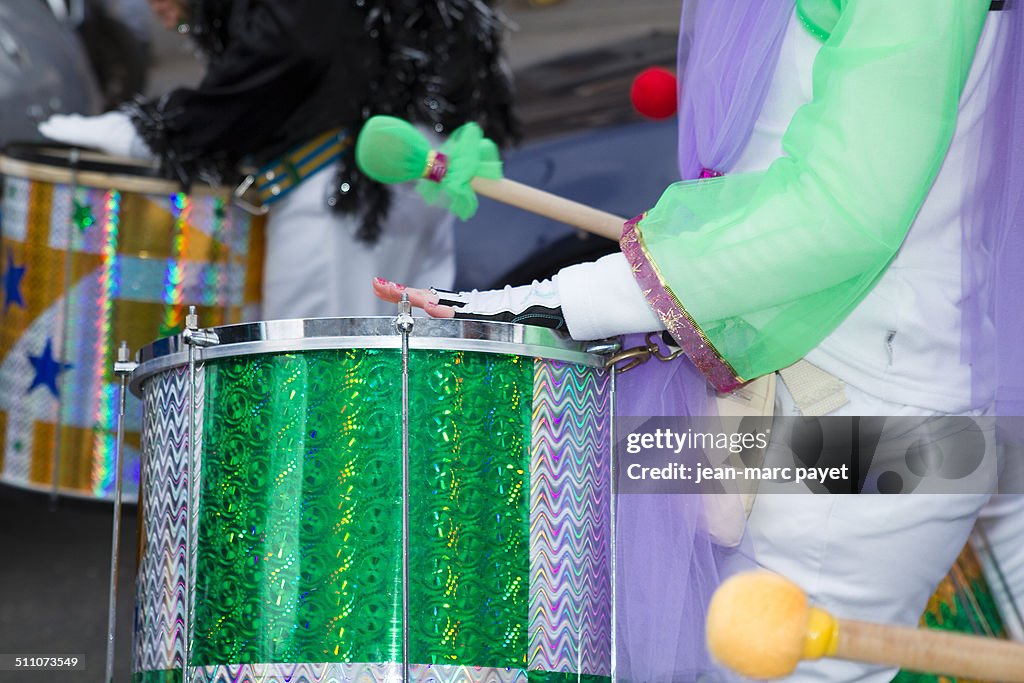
238,197
628,359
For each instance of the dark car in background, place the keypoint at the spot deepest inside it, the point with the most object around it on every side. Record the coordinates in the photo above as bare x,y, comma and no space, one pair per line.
64,56
44,69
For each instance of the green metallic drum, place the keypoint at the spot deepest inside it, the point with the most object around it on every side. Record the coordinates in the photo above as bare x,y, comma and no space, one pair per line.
291,565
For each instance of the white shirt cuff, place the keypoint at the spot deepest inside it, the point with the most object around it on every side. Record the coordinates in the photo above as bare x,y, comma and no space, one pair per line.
602,299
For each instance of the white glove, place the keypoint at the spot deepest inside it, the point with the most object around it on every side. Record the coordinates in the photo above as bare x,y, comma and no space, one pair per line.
112,133
534,304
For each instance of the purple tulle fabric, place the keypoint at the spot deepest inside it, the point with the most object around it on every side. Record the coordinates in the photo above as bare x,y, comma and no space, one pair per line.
736,45
993,267
667,567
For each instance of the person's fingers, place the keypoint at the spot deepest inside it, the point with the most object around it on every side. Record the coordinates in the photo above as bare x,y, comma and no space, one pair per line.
387,290
76,127
112,133
421,298
392,291
439,311
54,123
58,119
46,129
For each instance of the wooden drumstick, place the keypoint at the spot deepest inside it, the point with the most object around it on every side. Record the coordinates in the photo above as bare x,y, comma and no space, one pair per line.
760,625
551,206
391,150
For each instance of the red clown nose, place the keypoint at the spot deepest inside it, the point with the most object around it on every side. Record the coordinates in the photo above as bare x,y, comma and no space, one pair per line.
653,93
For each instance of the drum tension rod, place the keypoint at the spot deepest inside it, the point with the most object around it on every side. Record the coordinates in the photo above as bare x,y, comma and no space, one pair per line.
630,358
124,366
404,322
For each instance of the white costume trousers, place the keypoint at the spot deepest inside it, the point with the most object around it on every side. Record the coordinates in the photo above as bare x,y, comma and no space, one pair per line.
878,557
315,266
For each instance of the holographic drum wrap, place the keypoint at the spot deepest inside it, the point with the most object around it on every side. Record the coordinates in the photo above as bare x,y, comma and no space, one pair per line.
297,517
89,259
160,577
570,623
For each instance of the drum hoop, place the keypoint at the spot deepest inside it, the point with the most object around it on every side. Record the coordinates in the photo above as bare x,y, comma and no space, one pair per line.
314,334
32,162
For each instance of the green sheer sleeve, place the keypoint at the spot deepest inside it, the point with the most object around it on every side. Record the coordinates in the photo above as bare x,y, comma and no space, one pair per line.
758,268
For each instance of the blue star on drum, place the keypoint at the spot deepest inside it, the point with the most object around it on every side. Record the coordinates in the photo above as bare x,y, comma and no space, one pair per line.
13,275
47,368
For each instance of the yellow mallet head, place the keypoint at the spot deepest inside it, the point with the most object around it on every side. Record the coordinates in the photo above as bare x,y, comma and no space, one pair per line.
760,625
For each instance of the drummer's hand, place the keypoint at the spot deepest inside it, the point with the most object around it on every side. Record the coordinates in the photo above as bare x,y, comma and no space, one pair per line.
535,304
112,133
427,299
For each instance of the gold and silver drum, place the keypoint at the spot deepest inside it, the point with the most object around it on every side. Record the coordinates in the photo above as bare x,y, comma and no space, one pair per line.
94,252
336,499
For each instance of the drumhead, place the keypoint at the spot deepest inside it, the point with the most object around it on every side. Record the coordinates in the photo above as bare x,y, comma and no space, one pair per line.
53,164
287,336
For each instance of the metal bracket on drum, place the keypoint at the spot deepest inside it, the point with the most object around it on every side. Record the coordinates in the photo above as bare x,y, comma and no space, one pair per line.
612,349
604,348
124,366
194,336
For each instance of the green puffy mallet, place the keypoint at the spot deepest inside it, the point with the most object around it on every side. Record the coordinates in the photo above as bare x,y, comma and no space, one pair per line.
391,150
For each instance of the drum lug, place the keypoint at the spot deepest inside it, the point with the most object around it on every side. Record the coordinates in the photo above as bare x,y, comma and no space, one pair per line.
604,348
200,338
195,336
404,322
124,365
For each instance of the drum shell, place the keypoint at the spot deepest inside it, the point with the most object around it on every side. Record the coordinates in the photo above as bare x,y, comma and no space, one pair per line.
296,562
92,258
